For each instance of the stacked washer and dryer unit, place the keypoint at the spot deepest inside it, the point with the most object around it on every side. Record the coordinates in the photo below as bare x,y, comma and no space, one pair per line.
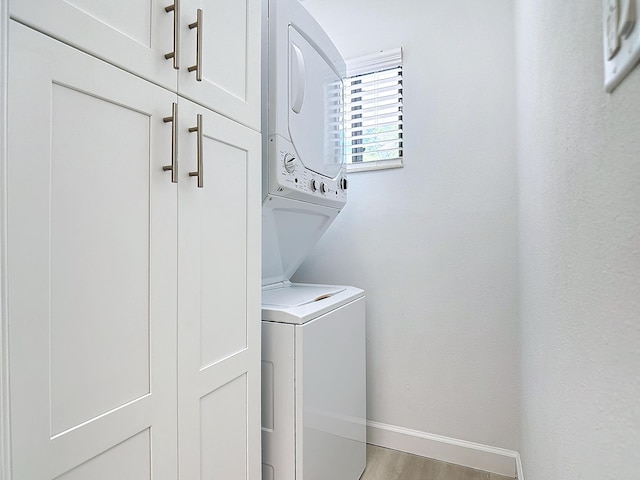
313,336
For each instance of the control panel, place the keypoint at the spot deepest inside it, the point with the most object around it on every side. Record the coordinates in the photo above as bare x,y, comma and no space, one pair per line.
288,177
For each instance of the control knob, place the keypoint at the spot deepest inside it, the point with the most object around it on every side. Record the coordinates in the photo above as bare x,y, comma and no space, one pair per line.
323,188
314,185
289,163
343,183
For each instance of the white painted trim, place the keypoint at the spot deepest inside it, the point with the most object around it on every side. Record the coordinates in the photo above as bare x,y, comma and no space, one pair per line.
451,450
519,469
5,448
374,62
379,165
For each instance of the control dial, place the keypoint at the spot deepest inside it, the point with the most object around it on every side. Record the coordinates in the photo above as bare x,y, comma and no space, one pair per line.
314,185
323,188
290,163
343,183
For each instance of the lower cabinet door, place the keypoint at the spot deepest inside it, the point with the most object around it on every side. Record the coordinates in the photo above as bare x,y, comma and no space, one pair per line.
91,268
218,297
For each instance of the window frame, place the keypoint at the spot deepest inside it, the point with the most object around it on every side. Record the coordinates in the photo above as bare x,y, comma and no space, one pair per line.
366,65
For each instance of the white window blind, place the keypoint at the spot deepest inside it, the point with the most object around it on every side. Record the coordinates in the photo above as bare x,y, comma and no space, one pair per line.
373,111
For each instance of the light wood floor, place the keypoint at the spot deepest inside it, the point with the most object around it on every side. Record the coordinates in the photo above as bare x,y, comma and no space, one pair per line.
385,464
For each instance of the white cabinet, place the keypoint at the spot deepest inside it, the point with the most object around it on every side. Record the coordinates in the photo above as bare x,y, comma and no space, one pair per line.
138,35
219,298
229,57
134,35
91,267
133,301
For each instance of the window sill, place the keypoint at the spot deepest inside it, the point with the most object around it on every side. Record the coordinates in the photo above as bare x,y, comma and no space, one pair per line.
368,166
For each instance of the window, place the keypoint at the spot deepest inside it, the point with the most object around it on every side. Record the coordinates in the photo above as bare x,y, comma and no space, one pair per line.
373,111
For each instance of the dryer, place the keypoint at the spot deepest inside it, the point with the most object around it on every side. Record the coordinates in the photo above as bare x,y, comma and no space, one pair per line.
304,176
303,120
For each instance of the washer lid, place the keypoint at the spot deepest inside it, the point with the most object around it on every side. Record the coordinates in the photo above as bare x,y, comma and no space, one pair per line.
304,302
297,294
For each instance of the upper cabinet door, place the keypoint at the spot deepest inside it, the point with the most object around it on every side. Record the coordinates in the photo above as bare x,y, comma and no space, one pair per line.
134,35
91,282
220,43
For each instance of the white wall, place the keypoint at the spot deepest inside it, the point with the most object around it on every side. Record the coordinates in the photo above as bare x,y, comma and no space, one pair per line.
435,243
579,156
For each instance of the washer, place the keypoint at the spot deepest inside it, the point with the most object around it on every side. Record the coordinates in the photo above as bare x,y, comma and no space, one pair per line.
313,382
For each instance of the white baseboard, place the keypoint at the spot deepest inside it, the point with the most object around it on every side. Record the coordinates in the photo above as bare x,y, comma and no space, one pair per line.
451,450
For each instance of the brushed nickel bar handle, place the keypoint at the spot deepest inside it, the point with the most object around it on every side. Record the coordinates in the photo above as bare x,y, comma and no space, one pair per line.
198,173
175,8
174,143
198,66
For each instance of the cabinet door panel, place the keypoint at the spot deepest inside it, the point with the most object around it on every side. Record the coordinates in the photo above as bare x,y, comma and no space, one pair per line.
84,212
230,53
133,35
129,460
224,252
225,409
91,266
219,299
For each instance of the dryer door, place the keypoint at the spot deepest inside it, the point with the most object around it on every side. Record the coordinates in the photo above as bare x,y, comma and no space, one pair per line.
315,108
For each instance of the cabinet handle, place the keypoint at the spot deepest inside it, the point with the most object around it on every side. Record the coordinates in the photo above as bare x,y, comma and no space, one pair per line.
198,66
198,173
175,8
174,143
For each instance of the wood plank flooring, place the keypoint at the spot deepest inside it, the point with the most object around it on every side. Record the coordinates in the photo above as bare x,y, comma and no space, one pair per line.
386,464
